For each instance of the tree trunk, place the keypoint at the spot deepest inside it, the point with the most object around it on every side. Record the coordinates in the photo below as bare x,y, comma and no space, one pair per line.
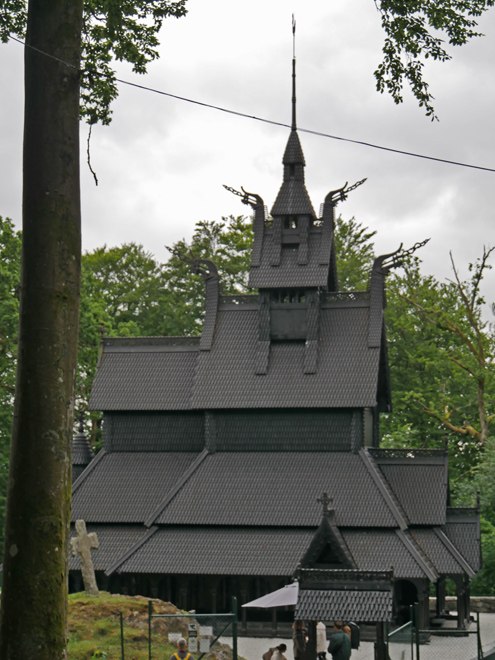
34,594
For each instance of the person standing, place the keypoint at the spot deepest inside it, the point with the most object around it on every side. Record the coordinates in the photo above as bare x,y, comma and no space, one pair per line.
340,644
182,653
321,640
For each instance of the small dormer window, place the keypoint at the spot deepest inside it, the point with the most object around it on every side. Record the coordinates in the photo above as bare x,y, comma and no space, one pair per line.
290,222
292,171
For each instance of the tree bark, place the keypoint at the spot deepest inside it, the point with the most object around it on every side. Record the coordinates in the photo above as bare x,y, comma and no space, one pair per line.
34,593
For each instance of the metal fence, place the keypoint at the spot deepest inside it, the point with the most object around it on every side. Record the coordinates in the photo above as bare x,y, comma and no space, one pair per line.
201,631
410,643
447,644
401,643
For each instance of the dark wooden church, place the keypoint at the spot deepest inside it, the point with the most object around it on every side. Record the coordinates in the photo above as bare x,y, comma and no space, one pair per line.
217,449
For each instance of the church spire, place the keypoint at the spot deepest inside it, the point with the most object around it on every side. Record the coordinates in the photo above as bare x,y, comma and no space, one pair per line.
293,198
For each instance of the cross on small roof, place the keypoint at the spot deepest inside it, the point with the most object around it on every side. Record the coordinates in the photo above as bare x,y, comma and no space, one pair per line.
325,501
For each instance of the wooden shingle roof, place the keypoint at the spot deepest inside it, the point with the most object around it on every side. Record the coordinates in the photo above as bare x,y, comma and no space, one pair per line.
163,376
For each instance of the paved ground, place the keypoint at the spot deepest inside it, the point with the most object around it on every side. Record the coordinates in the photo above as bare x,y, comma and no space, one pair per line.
438,649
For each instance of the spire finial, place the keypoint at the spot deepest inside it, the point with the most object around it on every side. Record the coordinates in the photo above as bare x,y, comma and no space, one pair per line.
293,73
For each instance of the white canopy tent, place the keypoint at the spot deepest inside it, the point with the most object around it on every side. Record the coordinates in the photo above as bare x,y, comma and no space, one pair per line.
285,596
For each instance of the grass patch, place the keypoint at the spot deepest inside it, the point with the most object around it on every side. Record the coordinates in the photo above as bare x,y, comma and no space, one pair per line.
94,628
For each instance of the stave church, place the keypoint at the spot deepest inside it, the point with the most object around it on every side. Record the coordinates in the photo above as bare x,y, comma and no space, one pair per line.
217,449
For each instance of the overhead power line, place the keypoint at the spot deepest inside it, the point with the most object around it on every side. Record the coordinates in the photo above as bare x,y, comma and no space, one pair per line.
260,119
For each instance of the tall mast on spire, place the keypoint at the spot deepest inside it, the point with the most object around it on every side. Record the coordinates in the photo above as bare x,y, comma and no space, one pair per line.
293,73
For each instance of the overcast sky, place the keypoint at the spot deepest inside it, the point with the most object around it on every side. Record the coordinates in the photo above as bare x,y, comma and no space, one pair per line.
162,162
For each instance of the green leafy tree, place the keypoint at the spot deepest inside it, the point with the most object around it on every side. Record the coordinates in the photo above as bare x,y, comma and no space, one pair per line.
415,32
355,254
484,583
441,357
481,479
112,30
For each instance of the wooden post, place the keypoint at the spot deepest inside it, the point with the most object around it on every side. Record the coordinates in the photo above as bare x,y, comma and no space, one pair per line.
310,653
440,593
381,643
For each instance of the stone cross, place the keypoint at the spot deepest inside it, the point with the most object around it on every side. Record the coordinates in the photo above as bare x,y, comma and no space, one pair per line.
325,501
82,545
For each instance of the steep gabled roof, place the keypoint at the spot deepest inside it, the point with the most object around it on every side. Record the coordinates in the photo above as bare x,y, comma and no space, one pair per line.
346,376
462,528
125,487
145,373
293,199
180,550
419,480
169,374
385,549
270,489
441,552
288,273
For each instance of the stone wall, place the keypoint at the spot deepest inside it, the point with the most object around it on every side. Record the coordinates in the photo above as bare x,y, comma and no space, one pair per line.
484,604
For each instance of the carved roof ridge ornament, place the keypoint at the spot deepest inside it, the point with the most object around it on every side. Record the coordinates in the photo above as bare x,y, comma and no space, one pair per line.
385,262
251,199
209,272
340,195
204,267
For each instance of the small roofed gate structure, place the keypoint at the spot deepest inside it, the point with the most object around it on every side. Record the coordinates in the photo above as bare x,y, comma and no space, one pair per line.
216,448
331,595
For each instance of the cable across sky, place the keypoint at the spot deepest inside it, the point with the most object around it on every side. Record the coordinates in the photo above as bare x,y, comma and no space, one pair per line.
272,122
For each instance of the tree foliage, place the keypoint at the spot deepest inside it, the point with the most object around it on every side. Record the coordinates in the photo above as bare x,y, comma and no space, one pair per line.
415,32
113,30
441,359
355,254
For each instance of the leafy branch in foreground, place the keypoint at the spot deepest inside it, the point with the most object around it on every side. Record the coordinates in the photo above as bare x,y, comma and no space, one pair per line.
414,33
121,30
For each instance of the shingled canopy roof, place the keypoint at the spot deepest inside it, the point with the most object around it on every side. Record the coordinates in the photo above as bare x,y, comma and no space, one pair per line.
344,595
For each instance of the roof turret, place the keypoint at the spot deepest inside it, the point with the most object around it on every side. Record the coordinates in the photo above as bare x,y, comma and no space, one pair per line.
293,198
